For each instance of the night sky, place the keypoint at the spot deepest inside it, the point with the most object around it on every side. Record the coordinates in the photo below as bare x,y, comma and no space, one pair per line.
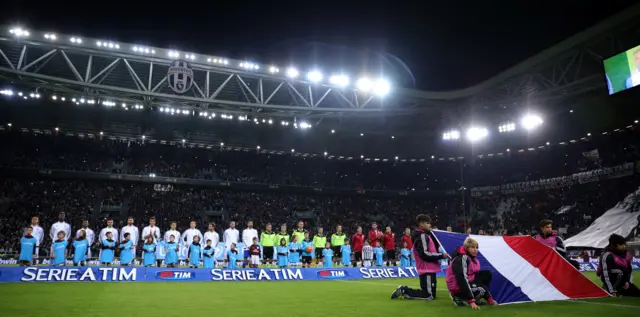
449,45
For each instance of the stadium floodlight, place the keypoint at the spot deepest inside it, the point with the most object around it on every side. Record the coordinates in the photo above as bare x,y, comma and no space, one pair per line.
274,70
339,80
507,127
364,84
476,134
292,72
314,76
530,121
50,36
304,125
6,92
173,54
325,153
258,147
76,40
333,131
381,87
293,150
19,32
451,135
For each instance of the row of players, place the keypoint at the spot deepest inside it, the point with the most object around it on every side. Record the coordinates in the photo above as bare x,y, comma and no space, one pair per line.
268,239
287,254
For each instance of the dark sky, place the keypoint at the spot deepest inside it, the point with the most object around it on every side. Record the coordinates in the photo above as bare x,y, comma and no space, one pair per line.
446,45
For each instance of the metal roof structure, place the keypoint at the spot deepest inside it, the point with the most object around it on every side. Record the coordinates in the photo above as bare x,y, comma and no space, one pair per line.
94,69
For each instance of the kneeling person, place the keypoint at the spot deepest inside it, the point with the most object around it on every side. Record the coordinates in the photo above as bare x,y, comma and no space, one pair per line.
614,268
466,283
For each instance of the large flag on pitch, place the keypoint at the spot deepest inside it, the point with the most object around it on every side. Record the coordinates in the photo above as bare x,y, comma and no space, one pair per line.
525,270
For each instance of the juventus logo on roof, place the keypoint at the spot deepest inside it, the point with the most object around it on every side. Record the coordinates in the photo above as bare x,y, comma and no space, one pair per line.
180,76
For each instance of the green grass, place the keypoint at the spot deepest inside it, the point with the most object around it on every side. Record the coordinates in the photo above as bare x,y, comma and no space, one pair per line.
299,298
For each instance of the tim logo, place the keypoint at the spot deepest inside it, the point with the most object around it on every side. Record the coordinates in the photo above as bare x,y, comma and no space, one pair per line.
586,267
332,274
175,275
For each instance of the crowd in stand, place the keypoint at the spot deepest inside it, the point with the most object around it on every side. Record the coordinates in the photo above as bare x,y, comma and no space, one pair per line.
572,207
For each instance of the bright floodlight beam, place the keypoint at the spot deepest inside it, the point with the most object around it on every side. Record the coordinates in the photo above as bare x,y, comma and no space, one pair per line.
314,76
476,134
530,122
364,84
451,135
381,87
339,80
292,72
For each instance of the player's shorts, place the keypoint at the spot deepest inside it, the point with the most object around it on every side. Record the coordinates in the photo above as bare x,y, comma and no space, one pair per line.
267,253
246,253
391,254
337,252
307,259
319,253
357,256
255,260
366,263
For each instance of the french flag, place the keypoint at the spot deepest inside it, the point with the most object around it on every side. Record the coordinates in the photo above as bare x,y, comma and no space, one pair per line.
525,270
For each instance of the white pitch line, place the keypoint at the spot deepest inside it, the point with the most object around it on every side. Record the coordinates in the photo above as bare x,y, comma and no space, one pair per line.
444,289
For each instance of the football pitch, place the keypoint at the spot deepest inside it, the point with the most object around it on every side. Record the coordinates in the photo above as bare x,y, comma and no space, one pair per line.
299,298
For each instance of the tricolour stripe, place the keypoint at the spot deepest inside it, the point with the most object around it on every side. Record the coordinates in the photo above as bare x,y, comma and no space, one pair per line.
517,270
554,268
502,290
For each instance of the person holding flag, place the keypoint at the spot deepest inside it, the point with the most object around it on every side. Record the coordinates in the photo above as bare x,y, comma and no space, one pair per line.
614,268
319,242
268,242
337,240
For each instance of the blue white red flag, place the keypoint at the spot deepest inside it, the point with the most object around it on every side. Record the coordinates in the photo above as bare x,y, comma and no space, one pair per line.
525,270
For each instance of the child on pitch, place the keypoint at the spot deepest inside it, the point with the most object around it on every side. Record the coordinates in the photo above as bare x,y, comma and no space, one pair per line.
367,254
307,250
283,254
126,250
208,255
232,256
195,252
59,250
27,247
108,249
467,284
425,249
149,252
295,250
327,254
405,255
254,254
614,268
80,247
345,250
160,252
171,250
379,251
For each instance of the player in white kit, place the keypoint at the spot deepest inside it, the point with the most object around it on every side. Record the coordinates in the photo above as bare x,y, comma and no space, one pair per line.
58,226
247,237
134,234
91,236
103,233
171,232
212,235
151,230
37,233
231,235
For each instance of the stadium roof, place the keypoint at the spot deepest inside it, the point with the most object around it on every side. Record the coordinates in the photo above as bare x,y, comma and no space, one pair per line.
405,122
